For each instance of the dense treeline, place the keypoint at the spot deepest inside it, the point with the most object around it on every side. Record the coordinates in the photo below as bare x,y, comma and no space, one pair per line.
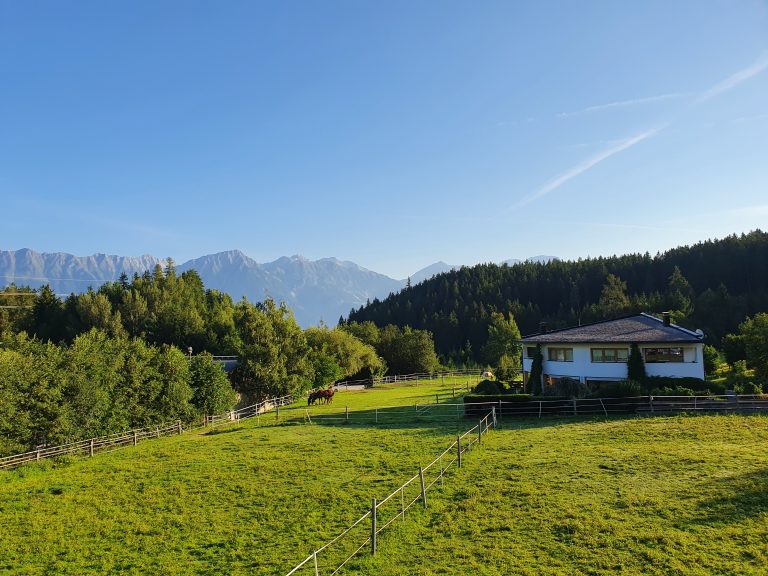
138,352
712,285
52,394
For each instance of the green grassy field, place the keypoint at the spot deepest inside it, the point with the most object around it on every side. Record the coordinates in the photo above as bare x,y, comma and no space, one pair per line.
684,495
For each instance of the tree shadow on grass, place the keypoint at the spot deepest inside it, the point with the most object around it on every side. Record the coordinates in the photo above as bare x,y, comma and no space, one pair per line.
217,431
734,499
441,418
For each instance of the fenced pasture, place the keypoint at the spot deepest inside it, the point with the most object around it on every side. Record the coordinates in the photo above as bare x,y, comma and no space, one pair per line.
91,446
243,498
666,495
332,556
254,494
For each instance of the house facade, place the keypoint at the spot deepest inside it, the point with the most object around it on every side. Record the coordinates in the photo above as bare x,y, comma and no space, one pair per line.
598,352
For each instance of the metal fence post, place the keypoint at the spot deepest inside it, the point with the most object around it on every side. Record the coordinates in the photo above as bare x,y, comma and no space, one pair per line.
458,442
493,412
423,489
373,527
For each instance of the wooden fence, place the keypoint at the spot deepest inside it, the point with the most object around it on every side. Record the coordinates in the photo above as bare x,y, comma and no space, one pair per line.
409,378
330,558
91,446
606,406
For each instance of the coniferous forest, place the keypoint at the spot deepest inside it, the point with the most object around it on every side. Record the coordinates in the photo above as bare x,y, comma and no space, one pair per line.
713,285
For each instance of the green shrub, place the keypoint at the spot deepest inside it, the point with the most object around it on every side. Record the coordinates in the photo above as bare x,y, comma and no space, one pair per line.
621,389
565,388
752,388
658,382
485,387
677,391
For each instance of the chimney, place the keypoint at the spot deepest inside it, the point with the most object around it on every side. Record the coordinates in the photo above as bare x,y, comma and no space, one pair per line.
667,316
542,327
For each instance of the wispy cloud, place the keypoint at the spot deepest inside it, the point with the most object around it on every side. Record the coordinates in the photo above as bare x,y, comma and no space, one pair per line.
735,79
587,164
622,104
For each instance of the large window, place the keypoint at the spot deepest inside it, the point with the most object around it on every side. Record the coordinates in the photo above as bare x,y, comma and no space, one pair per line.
560,354
663,354
610,354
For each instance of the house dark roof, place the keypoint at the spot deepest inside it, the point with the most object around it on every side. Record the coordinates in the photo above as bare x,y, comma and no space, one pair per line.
642,328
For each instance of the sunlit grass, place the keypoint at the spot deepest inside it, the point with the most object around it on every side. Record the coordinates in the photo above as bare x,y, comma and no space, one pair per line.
684,495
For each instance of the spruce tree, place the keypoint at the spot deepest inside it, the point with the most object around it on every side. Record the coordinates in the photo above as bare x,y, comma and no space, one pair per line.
537,368
635,365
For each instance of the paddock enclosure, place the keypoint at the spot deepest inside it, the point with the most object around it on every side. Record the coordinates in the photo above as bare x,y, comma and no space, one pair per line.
594,494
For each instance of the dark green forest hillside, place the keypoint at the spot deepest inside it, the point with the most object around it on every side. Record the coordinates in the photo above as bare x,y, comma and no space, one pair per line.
711,285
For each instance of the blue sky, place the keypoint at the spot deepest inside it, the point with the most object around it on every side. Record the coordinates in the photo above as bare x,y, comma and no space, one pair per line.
393,134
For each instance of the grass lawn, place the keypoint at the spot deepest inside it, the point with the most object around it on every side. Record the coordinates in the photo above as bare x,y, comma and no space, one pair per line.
682,495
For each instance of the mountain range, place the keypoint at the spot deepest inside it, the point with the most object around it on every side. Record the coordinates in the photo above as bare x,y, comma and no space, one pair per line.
315,290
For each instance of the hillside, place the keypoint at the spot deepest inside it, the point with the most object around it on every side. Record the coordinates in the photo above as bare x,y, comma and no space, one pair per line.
718,284
538,497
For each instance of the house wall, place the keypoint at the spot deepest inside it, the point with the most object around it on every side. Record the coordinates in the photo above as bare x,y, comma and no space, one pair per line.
583,367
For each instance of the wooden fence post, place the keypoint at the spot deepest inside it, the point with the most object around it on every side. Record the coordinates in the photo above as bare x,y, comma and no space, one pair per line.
377,415
402,501
90,451
650,401
373,527
458,442
423,489
37,455
314,555
135,437
493,413
157,432
179,423
575,413
277,413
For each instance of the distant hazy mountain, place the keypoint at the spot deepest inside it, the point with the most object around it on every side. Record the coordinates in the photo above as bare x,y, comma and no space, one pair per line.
324,289
315,290
66,273
542,259
432,270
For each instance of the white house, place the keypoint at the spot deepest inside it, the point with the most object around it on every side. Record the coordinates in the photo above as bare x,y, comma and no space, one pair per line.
598,352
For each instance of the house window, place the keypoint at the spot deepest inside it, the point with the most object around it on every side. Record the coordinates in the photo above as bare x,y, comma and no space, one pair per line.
530,351
663,354
609,354
560,354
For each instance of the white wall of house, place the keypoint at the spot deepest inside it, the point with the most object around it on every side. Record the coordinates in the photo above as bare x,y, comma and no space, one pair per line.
582,365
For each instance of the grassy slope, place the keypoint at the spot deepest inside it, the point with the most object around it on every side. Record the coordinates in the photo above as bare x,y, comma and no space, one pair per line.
681,495
684,495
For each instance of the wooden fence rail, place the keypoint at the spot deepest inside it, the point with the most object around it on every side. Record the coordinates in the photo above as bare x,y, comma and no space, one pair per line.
745,403
393,507
91,446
